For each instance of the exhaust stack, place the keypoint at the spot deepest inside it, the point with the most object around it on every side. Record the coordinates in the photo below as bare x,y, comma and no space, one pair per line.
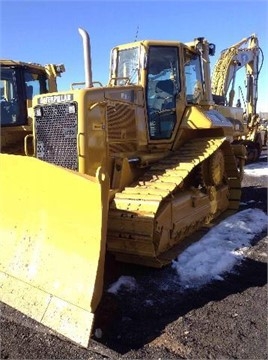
87,58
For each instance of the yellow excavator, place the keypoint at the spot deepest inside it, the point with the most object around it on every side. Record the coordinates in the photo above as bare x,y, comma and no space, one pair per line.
132,168
19,82
245,54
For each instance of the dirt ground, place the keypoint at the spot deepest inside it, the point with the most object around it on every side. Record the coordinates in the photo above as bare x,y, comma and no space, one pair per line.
224,320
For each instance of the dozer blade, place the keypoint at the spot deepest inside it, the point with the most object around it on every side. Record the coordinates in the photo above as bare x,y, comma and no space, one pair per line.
52,238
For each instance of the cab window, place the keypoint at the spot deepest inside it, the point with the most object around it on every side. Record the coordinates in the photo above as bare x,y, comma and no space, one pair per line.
9,98
127,70
163,86
35,84
193,77
17,88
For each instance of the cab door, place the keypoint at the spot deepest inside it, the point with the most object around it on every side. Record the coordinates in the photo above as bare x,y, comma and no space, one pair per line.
165,105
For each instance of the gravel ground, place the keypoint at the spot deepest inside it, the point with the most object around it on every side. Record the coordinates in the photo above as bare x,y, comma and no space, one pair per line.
224,320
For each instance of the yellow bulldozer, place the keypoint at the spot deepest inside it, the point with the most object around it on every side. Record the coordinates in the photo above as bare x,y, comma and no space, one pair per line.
19,83
131,169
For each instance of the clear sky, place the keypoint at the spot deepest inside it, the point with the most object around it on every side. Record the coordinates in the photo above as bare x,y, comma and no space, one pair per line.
47,31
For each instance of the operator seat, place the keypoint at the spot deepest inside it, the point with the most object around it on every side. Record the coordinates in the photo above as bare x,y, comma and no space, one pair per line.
165,95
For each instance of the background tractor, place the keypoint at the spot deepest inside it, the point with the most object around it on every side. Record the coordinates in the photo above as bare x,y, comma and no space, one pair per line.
19,82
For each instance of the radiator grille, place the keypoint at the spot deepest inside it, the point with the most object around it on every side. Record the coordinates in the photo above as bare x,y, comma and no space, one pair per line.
56,135
121,128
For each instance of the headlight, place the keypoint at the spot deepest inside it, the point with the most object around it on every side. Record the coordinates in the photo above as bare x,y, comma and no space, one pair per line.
72,109
38,111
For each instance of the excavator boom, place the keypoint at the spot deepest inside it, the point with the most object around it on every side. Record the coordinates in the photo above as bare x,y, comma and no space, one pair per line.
245,54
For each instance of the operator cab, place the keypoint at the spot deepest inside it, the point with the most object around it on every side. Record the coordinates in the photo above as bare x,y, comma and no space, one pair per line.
18,84
171,75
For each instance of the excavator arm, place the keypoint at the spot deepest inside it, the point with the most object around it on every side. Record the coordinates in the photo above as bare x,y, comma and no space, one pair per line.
246,54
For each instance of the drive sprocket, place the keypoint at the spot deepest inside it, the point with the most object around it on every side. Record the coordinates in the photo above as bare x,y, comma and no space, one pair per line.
212,170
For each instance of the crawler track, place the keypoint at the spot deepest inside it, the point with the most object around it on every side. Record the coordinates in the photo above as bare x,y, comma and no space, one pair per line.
149,218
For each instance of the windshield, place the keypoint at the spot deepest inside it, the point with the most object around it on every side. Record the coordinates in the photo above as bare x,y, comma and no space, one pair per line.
128,66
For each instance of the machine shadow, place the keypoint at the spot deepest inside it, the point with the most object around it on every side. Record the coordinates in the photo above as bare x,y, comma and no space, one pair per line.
254,197
138,317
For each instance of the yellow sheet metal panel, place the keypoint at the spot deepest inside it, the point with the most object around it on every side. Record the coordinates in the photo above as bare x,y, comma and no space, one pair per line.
52,238
132,246
15,293
69,320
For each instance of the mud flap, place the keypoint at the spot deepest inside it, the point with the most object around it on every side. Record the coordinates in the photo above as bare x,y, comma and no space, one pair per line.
53,238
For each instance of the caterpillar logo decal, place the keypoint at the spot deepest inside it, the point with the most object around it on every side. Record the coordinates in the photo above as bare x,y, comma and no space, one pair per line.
52,99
